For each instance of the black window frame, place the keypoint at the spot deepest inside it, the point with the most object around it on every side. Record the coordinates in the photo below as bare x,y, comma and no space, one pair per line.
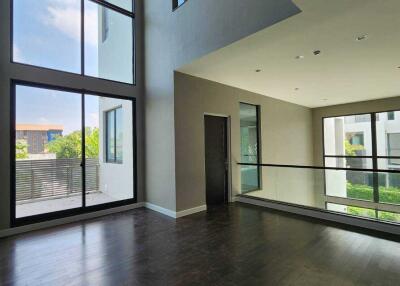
374,157
104,4
84,209
259,168
114,160
176,5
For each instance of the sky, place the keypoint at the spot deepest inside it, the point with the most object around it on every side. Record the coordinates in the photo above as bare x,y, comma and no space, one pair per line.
44,106
47,33
36,22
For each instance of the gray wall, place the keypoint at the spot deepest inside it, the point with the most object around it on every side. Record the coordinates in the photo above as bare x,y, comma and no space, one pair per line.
173,39
10,71
286,134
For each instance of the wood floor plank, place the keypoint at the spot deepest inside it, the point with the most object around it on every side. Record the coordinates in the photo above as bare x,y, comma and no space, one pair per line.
228,245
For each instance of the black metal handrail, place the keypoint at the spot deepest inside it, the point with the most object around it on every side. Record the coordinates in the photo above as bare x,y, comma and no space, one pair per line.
320,167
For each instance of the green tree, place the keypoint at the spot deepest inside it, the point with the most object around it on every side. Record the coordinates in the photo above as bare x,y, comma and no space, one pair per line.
352,149
21,149
70,146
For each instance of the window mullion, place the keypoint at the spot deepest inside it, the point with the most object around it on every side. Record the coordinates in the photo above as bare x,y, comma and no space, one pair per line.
115,136
374,158
82,37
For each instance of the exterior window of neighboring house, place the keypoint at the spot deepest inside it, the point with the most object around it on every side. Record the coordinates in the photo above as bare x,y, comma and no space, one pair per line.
105,24
393,147
390,115
362,118
114,136
357,139
177,3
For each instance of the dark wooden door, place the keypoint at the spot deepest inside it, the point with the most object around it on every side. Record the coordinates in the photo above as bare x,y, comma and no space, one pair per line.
216,153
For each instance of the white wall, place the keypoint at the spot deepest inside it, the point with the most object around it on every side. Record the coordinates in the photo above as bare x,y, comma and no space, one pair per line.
113,52
116,179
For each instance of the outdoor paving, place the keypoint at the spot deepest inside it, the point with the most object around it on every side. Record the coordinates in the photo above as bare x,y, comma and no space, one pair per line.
52,205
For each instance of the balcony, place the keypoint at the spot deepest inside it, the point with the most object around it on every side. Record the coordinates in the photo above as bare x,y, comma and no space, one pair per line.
52,184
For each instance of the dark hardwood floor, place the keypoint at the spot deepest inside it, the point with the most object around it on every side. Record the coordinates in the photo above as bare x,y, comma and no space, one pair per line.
229,245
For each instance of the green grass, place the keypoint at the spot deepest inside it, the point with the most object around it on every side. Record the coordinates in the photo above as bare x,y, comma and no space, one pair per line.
364,192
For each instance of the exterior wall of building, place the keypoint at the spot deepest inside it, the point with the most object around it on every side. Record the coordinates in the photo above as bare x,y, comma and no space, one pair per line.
116,179
286,139
37,139
113,42
171,40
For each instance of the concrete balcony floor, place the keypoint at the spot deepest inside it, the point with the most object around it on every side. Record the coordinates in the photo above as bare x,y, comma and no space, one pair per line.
26,208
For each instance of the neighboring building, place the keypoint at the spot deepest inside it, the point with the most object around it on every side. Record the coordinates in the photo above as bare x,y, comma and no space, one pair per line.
356,130
37,136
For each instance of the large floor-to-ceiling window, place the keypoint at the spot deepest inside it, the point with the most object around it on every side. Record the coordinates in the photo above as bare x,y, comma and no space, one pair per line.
249,147
73,131
367,146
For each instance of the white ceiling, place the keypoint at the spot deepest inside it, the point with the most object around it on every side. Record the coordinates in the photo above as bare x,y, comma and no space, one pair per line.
346,71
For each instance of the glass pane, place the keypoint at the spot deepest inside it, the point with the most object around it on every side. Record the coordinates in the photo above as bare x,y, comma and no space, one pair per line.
389,187
301,186
108,181
348,135
388,135
249,178
119,134
356,211
124,4
110,125
349,184
355,163
249,146
108,44
47,33
389,216
48,151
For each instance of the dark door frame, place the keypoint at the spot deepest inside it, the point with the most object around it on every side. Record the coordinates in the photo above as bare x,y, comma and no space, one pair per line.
229,153
15,222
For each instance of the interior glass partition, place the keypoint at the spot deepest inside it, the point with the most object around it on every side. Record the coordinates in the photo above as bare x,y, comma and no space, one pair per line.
306,186
249,146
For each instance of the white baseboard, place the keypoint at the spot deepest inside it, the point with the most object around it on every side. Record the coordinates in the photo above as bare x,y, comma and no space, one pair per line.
57,222
159,209
191,211
174,214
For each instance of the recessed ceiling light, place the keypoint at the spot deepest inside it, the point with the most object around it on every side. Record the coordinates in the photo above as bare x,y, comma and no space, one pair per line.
361,37
257,70
299,57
